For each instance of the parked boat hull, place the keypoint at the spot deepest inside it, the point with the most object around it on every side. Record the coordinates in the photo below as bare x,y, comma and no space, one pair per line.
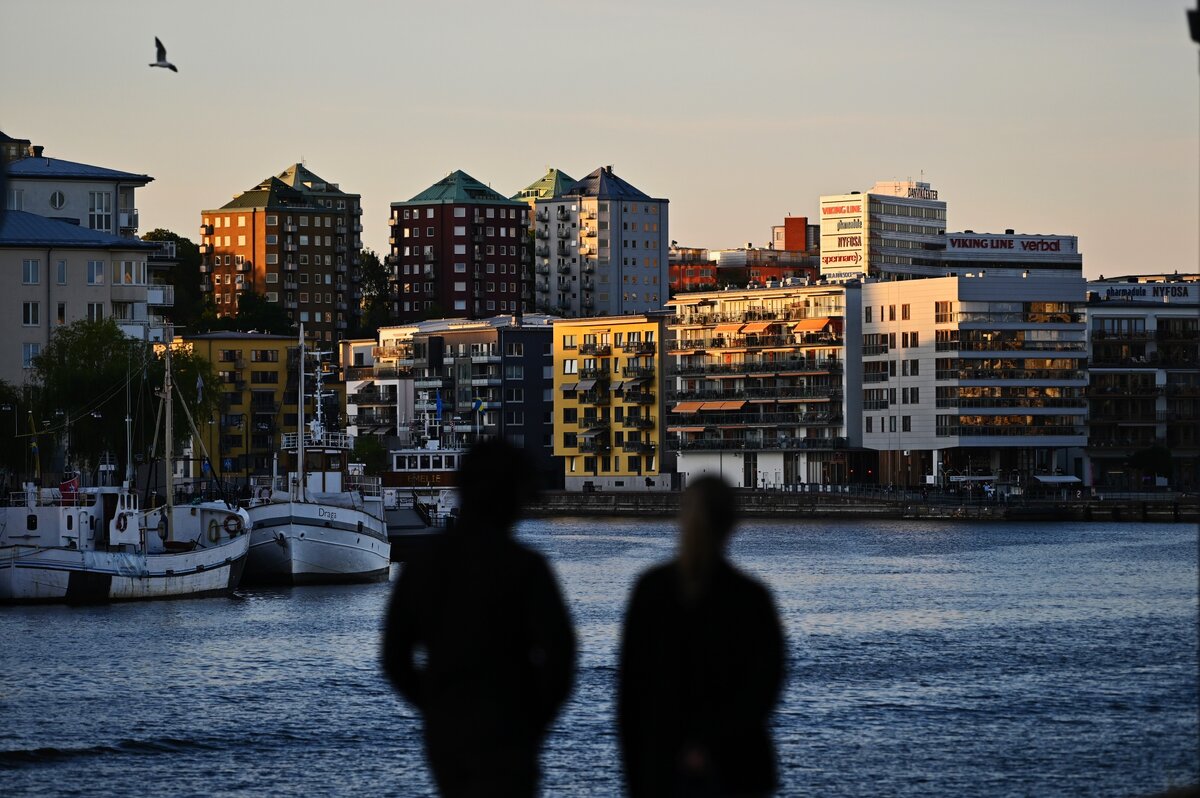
32,574
296,543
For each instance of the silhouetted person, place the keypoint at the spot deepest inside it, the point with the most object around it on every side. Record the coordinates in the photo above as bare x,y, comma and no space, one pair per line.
478,638
701,665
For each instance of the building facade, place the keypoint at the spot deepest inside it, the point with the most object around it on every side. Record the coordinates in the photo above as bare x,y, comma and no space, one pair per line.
608,402
295,239
457,251
762,390
259,386
1144,389
60,273
601,249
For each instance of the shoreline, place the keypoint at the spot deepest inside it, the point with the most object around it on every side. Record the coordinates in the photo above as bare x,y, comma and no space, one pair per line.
770,504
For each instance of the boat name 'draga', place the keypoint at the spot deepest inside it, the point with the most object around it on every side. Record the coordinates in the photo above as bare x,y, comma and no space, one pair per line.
323,513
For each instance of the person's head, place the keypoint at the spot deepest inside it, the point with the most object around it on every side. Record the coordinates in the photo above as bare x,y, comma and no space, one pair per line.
707,516
495,480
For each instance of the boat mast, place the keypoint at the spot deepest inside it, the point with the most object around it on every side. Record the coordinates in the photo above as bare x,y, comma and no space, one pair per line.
167,412
300,420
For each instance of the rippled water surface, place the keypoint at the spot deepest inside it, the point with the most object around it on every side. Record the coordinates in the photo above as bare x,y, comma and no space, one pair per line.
924,660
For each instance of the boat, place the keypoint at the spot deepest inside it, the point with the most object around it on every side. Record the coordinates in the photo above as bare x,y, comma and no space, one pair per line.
97,544
321,525
421,479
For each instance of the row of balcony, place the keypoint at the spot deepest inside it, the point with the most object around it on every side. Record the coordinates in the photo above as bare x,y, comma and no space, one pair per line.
788,314
761,341
1008,431
750,443
816,392
754,419
830,366
1062,375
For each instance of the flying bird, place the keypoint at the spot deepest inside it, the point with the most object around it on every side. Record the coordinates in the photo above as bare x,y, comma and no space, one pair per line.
161,55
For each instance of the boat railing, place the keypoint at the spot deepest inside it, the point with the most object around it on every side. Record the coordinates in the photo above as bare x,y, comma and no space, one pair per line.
323,440
367,486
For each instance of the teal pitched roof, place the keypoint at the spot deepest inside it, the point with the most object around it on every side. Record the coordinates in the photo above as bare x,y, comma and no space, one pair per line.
550,185
301,178
458,188
270,193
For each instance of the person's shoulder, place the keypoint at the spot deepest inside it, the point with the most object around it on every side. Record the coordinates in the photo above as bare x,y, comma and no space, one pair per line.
657,576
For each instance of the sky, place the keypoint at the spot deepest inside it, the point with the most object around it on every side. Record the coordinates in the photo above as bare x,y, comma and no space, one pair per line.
1076,118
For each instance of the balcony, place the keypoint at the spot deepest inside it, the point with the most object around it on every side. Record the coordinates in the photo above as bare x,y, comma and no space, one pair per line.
542,216
638,422
206,229
593,423
161,295
542,234
290,228
206,249
588,267
542,268
564,249
564,215
594,446
641,447
291,285
596,350
290,247
595,398
587,232
290,266
543,287
594,374
638,348
640,397
832,366
542,251
751,443
127,219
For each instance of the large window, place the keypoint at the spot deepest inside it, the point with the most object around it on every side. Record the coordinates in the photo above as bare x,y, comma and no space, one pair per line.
31,271
95,311
30,314
28,353
100,211
95,272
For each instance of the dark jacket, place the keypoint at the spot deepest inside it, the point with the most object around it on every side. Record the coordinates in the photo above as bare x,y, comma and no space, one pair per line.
479,640
702,676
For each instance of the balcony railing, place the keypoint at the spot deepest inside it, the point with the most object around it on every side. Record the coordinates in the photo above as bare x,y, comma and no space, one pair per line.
638,422
833,394
1010,374
1008,430
760,367
597,350
592,423
639,348
724,444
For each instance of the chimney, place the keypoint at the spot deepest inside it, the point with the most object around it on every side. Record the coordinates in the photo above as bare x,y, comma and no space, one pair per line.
35,150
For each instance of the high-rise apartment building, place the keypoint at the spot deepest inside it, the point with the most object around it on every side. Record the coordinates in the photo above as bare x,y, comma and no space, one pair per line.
895,228
294,238
457,251
608,402
601,249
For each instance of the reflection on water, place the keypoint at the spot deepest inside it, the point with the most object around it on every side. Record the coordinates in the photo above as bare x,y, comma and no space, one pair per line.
924,660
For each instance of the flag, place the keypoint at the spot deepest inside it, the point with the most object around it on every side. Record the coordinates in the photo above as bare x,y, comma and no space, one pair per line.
69,489
438,405
199,389
478,404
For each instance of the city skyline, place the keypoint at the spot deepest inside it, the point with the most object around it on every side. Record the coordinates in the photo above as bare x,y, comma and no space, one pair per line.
1046,120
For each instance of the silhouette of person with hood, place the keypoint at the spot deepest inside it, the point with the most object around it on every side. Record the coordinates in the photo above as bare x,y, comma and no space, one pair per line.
478,638
701,665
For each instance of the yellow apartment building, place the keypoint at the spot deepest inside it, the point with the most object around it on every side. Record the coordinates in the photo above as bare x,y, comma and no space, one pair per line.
608,402
258,400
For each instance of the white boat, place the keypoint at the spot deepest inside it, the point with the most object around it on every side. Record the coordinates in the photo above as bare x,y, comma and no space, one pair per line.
95,544
322,526
98,546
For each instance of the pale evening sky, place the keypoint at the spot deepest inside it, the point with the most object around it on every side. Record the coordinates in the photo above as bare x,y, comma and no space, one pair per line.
1047,117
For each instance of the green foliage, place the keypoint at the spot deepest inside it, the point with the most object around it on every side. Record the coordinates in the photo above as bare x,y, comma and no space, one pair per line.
83,375
376,287
254,314
369,451
1153,460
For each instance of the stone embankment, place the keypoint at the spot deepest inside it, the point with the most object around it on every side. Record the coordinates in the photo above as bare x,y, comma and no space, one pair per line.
769,504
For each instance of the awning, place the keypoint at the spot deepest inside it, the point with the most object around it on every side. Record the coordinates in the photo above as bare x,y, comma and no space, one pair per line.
1056,480
618,385
964,478
593,432
756,327
687,407
723,405
810,325
686,429
569,386
586,385
727,329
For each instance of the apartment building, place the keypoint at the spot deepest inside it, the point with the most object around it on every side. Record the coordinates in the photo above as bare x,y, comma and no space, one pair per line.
1144,389
691,269
457,381
58,273
975,378
763,388
457,251
294,238
94,197
756,266
608,402
601,249
259,386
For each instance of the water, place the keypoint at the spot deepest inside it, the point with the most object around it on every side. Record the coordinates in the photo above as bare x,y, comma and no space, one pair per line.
925,660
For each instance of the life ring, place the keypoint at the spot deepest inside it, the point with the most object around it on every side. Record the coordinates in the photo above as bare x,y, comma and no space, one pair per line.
233,524
214,531
122,522
264,492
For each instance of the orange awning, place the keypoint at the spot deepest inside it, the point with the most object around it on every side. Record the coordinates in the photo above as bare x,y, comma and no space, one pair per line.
686,429
757,327
811,325
687,407
733,405
727,329
712,406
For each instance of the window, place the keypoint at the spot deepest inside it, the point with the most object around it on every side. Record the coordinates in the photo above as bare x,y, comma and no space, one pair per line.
30,314
100,211
62,272
62,312
459,213
272,221
891,423
904,312
892,317
867,314
30,271
570,366
58,200
95,311
869,419
906,421
28,353
95,272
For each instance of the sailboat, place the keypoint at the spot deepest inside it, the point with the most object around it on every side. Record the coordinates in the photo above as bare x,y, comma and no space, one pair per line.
96,544
323,526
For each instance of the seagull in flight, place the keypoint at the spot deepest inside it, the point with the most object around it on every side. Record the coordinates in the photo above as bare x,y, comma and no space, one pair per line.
162,57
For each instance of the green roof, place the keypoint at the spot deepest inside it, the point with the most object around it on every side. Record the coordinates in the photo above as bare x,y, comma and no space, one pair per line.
301,178
550,185
458,188
270,193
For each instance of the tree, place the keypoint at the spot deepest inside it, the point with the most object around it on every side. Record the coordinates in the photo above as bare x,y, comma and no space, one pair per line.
254,314
1153,461
84,375
377,289
184,275
372,454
